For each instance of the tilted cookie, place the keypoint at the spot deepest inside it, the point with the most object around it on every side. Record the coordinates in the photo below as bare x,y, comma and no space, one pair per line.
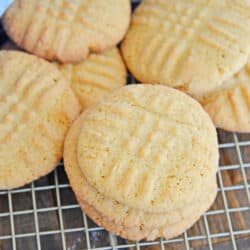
194,45
37,107
95,77
110,119
150,142
66,30
125,215
229,106
128,222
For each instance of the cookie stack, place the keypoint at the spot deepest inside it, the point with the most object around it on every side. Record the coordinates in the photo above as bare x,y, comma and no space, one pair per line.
38,103
143,162
195,46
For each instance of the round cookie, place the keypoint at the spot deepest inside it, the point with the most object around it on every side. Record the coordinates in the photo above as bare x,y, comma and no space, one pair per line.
37,107
229,107
193,45
155,144
126,222
95,77
67,31
117,212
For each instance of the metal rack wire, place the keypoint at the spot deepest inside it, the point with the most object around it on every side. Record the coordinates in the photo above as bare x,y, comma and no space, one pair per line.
45,214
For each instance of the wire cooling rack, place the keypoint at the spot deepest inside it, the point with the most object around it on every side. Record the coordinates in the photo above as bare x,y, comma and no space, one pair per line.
45,214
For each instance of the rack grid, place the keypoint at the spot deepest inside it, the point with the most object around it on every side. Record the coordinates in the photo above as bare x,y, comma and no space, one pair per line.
45,215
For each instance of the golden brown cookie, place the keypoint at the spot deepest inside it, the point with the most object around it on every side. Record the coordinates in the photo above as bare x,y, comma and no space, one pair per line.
193,45
37,107
117,212
229,106
150,142
97,76
118,217
66,31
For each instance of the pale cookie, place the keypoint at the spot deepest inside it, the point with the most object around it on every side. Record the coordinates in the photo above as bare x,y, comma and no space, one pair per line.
67,31
95,77
229,107
37,107
128,222
193,45
155,144
117,212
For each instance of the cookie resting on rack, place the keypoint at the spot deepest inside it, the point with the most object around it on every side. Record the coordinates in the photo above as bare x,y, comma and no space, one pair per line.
143,162
37,107
67,31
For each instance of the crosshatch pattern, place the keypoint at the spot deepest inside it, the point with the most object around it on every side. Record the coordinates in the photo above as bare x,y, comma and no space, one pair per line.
45,215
